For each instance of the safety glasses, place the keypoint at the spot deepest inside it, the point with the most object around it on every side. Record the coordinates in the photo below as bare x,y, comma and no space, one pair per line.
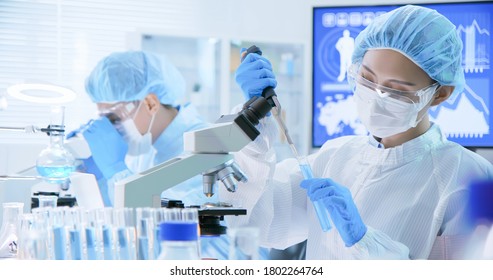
118,112
414,97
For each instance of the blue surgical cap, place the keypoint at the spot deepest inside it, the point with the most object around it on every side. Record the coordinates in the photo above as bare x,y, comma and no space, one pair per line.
131,76
424,36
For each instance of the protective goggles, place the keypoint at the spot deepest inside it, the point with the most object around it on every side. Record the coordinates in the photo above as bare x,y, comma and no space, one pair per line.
119,112
414,97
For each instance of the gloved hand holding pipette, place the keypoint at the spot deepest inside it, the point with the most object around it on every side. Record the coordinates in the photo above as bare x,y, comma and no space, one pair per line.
254,74
256,78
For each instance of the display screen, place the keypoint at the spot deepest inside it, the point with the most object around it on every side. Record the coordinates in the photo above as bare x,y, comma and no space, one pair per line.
465,119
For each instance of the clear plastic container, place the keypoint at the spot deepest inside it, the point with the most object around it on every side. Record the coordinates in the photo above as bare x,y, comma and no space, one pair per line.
179,240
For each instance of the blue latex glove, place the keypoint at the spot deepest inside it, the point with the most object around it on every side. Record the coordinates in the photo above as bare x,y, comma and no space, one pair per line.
108,148
339,202
254,74
88,165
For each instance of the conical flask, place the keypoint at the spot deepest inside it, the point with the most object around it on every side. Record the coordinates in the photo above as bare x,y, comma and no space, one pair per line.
9,233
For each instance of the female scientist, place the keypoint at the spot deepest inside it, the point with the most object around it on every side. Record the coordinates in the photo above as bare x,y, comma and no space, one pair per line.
394,194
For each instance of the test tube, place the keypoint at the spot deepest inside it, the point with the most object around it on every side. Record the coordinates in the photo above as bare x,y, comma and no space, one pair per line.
33,243
159,216
74,220
94,231
108,236
322,213
59,234
44,221
125,230
145,237
190,214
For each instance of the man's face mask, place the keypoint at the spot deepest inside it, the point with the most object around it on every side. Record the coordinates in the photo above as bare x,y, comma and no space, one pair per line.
141,153
386,111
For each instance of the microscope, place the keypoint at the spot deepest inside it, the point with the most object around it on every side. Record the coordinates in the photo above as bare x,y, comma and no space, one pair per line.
207,152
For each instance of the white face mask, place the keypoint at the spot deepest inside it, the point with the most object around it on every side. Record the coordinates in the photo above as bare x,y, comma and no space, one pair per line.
141,152
384,116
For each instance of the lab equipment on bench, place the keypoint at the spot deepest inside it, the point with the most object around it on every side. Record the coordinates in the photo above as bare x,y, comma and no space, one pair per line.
54,164
53,173
9,233
207,152
26,187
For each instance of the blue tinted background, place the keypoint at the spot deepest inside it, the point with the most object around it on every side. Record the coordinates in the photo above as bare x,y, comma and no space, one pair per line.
332,97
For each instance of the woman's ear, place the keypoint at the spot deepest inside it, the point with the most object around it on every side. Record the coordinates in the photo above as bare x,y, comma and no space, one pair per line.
443,93
152,103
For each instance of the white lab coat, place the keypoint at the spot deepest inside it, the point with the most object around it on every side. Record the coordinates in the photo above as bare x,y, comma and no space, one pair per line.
407,195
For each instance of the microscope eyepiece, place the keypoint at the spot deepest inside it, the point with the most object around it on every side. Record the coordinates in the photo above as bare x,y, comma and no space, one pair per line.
255,109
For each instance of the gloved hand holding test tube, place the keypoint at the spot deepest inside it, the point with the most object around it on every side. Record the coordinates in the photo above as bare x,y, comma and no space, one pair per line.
268,92
322,213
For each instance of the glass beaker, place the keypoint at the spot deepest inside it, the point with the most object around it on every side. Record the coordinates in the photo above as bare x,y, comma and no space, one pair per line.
9,234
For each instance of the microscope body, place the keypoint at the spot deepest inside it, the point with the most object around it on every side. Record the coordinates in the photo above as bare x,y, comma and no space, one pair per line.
207,152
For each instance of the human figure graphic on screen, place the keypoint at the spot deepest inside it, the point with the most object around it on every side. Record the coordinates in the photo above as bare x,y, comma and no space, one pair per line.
345,47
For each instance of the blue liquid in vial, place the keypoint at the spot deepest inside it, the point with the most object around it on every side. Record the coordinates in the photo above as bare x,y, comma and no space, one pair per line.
76,244
306,171
55,174
322,214
108,243
91,242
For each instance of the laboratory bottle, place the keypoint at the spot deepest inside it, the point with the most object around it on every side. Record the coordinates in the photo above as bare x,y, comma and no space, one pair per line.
55,163
179,240
9,234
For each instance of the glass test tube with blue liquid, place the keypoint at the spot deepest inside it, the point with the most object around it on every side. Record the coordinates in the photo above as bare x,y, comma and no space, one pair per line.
322,213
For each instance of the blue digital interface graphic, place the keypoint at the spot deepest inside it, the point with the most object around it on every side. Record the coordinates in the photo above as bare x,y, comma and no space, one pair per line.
465,119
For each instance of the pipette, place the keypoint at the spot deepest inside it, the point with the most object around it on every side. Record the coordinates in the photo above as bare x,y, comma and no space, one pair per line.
306,170
322,214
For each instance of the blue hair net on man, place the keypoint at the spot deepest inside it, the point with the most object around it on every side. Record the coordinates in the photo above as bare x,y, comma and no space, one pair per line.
130,76
421,34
